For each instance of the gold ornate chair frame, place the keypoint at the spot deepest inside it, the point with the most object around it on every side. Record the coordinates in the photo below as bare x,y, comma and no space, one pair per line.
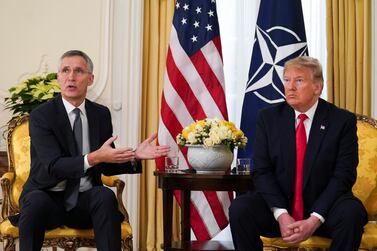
365,189
62,237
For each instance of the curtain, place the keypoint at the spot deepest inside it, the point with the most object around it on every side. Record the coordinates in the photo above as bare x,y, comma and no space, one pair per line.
349,54
157,23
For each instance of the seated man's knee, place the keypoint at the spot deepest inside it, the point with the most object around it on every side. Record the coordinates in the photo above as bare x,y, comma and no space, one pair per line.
104,195
352,213
355,212
36,203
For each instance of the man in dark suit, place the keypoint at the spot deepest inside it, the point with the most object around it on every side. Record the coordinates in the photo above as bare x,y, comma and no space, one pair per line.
71,146
304,169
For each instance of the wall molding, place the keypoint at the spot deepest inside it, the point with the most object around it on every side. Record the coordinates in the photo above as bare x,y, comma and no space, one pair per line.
98,87
102,78
126,92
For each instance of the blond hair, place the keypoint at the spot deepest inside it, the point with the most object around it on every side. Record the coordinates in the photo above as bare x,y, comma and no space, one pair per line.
307,62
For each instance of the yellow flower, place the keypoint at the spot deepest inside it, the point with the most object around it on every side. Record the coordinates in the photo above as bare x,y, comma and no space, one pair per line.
210,132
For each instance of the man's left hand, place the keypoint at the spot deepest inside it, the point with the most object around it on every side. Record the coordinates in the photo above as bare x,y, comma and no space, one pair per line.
303,229
148,151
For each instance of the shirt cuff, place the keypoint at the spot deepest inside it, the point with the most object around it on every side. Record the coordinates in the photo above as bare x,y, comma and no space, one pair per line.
86,163
278,211
320,217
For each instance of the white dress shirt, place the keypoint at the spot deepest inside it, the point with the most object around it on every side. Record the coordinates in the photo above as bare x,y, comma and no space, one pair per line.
308,124
85,182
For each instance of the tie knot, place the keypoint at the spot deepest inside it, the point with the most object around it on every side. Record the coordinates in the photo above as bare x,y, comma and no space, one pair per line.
76,111
302,117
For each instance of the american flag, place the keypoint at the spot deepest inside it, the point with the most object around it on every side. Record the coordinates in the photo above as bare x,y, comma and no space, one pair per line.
193,90
279,36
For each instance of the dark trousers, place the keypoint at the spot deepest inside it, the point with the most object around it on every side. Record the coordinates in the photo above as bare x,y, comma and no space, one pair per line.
250,218
96,208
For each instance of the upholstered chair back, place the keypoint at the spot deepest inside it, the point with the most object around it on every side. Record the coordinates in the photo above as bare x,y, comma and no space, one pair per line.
19,143
365,187
12,183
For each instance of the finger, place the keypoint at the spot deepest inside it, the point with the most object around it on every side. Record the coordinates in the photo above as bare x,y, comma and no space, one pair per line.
152,137
293,225
124,149
286,232
110,140
123,158
127,154
291,238
164,148
164,151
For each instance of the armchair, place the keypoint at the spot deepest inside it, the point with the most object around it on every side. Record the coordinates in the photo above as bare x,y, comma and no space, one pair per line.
365,189
11,183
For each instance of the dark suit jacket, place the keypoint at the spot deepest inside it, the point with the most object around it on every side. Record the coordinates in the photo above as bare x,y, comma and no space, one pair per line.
330,161
53,153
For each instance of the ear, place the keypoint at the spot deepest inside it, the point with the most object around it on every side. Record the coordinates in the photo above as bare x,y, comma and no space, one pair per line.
318,87
91,79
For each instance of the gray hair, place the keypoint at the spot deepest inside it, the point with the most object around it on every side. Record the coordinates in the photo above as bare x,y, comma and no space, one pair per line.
82,54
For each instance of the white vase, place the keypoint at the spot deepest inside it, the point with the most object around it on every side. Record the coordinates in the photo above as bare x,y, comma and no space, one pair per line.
212,159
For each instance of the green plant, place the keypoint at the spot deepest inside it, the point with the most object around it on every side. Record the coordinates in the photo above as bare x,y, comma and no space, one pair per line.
28,94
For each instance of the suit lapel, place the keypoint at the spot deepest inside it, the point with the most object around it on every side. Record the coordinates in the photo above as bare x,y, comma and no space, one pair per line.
64,125
316,136
93,125
288,143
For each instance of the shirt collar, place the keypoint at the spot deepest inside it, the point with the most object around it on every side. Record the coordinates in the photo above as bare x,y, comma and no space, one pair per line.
69,107
309,113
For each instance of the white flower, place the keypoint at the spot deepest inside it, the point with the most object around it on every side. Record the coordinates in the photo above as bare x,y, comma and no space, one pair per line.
210,132
208,142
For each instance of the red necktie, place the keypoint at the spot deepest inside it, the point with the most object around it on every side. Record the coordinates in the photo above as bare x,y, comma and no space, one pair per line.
298,203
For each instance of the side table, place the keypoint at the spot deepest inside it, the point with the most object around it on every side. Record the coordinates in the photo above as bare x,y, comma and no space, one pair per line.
187,182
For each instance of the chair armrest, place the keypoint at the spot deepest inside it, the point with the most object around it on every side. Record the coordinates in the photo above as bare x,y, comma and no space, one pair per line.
6,182
114,181
109,180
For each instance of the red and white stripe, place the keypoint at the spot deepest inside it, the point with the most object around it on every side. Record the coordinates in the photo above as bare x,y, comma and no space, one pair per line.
193,90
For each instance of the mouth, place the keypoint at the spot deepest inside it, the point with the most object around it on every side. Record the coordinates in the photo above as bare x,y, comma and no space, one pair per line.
71,87
290,96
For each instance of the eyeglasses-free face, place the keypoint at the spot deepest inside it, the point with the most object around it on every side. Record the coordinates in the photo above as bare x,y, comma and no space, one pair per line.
77,71
74,79
301,90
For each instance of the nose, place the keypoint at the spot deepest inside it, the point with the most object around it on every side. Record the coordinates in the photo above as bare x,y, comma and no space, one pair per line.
71,74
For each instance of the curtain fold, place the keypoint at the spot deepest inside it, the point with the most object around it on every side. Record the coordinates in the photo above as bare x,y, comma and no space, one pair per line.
157,23
349,54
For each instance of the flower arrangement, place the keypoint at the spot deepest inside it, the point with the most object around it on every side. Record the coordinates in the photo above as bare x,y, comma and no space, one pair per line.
211,132
28,94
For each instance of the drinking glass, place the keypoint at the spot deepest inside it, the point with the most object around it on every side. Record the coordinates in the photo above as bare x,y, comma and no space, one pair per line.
171,163
243,166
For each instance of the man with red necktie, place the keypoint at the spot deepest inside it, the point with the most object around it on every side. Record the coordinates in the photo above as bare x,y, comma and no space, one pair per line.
305,158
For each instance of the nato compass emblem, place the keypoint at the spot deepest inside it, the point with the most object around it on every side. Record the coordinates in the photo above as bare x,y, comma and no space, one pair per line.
271,49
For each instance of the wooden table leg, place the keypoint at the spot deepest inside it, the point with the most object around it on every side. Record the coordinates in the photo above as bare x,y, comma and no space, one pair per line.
185,215
167,200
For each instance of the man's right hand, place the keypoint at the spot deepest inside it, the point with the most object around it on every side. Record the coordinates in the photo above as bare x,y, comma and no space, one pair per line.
106,153
284,221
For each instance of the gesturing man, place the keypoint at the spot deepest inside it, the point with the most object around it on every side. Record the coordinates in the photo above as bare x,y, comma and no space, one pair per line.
72,144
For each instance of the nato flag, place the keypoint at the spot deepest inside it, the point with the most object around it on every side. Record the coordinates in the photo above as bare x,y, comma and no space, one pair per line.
279,36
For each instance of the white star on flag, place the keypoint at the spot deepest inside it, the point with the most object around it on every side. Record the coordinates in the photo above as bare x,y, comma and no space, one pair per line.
281,52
